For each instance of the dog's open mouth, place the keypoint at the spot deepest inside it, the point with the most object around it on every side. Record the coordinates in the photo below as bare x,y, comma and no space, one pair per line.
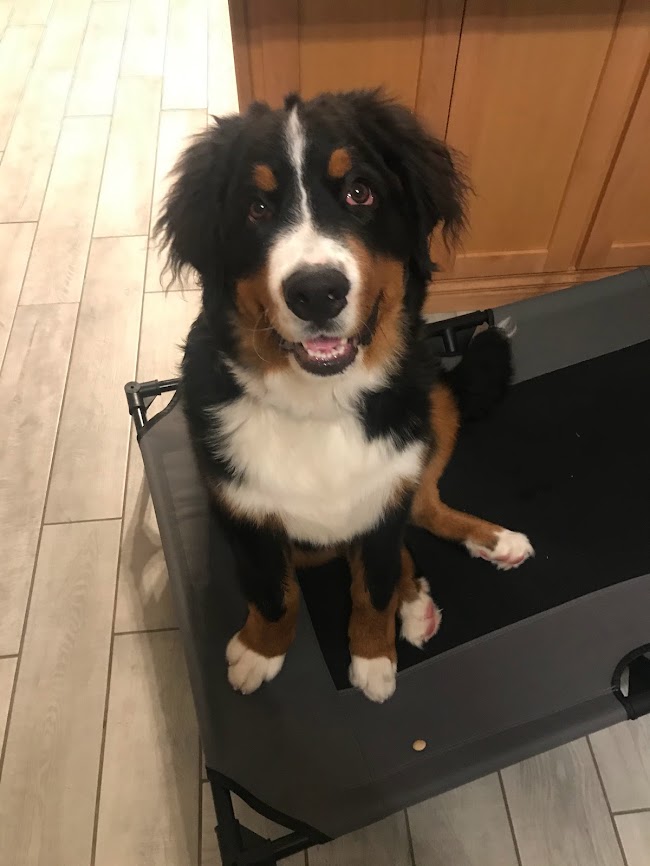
324,356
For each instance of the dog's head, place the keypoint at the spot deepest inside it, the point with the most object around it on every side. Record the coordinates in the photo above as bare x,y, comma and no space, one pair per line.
310,226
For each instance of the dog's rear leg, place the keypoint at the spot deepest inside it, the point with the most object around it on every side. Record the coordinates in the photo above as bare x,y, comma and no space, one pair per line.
420,615
506,549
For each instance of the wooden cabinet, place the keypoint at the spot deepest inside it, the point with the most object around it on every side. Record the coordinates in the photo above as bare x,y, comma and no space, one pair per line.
620,235
549,102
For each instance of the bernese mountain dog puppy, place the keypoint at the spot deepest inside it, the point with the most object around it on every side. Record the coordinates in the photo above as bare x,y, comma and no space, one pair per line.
319,417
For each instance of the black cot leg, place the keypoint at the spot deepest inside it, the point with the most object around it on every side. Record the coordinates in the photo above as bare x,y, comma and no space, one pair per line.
240,846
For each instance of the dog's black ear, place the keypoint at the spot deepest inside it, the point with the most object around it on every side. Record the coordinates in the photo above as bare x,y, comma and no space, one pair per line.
189,227
433,184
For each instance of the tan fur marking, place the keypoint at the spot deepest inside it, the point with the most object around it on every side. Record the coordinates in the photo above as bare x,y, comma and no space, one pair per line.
340,163
371,631
314,558
428,511
264,178
383,279
408,588
258,340
271,639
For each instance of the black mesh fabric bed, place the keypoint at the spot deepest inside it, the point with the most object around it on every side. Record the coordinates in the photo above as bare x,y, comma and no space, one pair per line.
524,660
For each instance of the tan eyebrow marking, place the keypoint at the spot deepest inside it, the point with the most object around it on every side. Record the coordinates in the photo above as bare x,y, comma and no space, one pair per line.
264,178
340,163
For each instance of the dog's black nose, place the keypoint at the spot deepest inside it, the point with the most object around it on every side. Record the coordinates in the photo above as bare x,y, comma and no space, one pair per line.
316,294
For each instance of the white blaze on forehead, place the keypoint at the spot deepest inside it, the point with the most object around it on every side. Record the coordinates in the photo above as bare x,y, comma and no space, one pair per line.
302,244
296,145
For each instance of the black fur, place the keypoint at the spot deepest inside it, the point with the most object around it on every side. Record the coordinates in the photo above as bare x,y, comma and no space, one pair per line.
481,378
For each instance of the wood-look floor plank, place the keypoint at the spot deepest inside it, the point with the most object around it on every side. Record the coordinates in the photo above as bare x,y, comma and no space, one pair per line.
186,56
15,245
27,159
465,827
17,52
558,810
222,84
144,48
382,844
124,206
6,8
176,128
51,767
31,12
31,390
143,598
63,35
7,672
149,800
634,831
623,755
58,261
93,87
90,462
210,855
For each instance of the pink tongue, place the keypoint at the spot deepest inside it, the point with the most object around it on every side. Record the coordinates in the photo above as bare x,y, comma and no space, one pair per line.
321,344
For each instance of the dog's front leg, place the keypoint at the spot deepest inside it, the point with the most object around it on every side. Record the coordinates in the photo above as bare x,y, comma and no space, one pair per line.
256,653
383,579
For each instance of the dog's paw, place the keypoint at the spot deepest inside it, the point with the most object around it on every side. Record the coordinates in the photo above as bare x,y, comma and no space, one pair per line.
420,618
511,549
375,677
247,670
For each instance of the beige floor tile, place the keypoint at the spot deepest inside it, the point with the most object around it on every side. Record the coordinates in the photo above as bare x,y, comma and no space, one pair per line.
93,87
186,58
6,8
465,827
30,149
149,801
124,206
64,34
144,48
17,51
558,810
31,390
176,128
7,671
144,599
15,245
634,831
249,818
90,462
623,755
51,767
210,855
222,84
30,12
58,261
383,844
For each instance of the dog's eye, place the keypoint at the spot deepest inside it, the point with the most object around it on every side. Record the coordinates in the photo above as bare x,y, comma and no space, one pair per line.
359,193
258,210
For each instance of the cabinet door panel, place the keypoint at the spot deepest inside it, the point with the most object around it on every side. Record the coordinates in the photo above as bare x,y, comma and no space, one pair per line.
345,44
526,77
621,232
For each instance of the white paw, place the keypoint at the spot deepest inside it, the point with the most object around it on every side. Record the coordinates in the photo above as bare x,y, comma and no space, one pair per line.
375,677
511,549
247,670
420,618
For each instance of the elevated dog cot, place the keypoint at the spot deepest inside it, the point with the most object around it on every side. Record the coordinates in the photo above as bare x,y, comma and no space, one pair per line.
525,660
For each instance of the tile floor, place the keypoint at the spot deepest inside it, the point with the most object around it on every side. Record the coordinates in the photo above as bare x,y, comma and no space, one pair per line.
101,761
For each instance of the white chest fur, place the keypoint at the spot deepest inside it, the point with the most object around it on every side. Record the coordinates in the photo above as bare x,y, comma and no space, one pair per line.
320,475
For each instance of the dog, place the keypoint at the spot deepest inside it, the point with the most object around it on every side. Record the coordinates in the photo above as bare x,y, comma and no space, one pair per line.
319,417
